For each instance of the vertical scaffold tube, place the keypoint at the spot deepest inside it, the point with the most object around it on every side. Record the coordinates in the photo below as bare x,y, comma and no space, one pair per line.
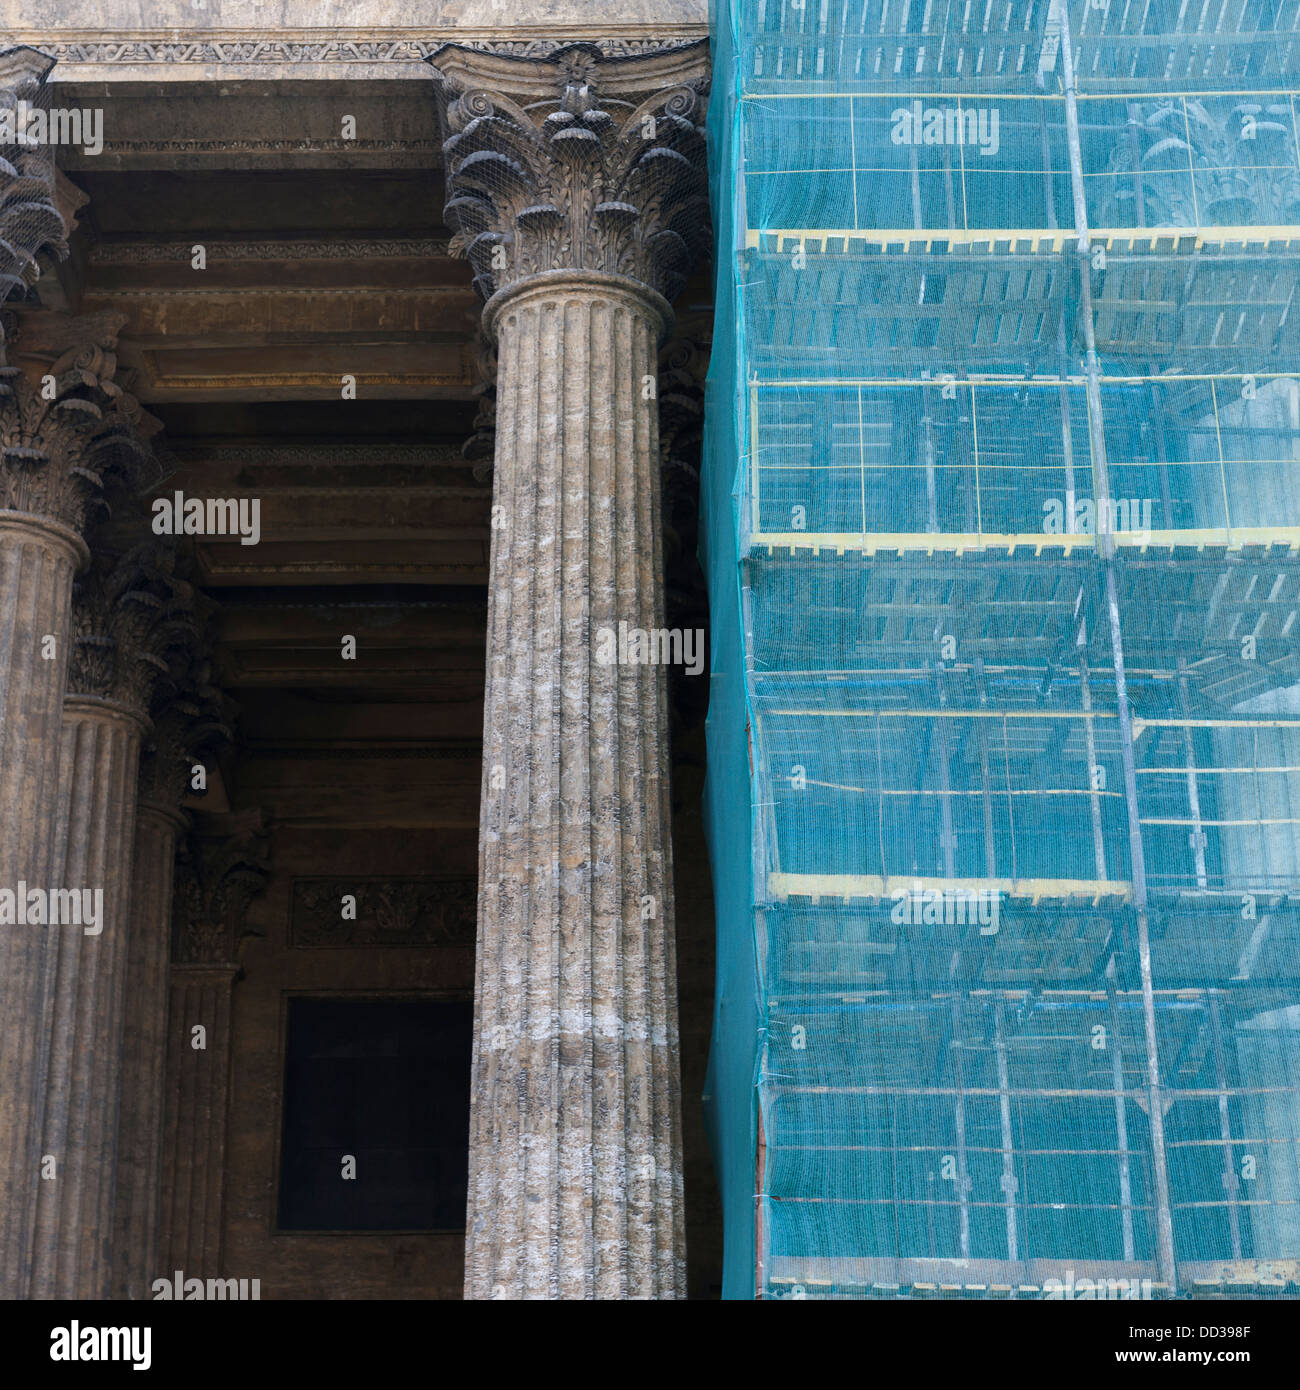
1106,549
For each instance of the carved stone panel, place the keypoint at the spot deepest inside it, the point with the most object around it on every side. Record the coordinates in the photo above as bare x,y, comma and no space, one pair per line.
388,912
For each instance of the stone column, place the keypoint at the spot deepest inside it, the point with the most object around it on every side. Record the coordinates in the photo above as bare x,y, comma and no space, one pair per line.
190,724
42,508
65,430
127,611
216,879
576,186
139,1169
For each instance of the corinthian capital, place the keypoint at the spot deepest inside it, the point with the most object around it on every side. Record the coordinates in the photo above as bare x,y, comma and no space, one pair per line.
576,161
66,426
192,717
128,612
216,880
30,220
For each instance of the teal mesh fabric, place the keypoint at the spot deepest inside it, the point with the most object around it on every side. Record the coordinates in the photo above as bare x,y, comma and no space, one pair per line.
1002,533
730,1096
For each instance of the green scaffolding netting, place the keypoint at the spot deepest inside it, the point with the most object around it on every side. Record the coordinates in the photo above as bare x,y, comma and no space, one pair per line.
1002,532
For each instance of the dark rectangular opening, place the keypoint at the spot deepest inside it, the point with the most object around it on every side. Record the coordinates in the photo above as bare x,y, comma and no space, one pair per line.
385,1082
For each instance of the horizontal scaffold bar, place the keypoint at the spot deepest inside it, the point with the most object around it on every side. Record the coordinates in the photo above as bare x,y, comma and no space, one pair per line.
847,886
987,95
1139,725
958,543
1039,239
1012,381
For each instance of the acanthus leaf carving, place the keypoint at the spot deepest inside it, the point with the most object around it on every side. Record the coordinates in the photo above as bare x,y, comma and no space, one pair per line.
69,432
216,880
31,219
480,447
192,717
128,612
389,912
575,161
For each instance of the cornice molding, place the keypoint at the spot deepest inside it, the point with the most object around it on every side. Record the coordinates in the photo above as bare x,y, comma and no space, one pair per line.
312,454
468,751
340,248
325,382
138,292
347,48
303,145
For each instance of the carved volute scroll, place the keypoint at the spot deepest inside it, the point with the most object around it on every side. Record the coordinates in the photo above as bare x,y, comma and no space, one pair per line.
576,161
69,432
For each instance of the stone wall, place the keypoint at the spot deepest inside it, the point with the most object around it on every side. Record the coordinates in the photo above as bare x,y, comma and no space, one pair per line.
172,41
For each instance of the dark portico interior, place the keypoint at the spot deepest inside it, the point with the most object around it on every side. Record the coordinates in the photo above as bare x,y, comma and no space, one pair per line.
325,259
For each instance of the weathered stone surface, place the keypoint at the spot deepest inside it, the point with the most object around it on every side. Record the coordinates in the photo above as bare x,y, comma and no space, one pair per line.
575,1149
620,1217
30,218
127,612
37,564
576,184
389,912
216,880
144,1044
84,979
191,721
55,456
194,1135
68,430
576,162
171,41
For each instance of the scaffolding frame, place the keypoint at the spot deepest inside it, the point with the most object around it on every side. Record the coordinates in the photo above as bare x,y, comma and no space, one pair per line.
1092,312
993,1029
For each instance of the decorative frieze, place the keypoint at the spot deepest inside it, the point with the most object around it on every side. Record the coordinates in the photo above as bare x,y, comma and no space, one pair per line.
383,912
304,49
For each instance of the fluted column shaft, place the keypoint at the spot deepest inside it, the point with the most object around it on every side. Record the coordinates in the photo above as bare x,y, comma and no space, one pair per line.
86,975
38,559
40,551
575,1148
195,1130
135,1243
